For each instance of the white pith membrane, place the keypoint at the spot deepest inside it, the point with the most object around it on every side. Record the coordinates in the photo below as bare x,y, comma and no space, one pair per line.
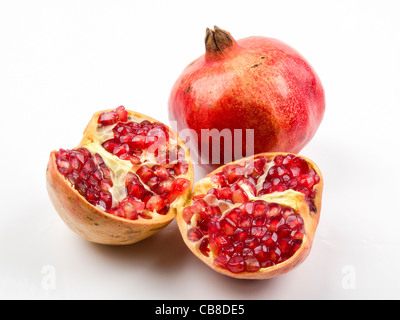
119,168
288,198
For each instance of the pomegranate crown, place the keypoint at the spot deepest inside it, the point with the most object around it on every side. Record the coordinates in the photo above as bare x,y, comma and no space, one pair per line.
218,41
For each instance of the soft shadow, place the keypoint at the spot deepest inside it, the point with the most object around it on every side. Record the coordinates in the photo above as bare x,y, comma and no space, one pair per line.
219,286
164,251
243,289
166,254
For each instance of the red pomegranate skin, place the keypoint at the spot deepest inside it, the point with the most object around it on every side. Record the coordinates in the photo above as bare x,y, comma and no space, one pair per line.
254,83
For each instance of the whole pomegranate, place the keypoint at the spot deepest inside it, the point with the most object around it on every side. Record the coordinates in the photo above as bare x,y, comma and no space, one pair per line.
256,83
254,218
124,182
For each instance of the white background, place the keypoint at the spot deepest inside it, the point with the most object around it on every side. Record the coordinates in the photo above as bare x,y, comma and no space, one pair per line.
61,61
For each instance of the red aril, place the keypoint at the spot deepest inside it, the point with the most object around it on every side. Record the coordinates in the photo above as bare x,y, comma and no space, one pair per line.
112,189
255,83
262,231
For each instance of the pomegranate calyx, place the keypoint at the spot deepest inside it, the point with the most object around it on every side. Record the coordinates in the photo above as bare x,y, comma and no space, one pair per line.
217,42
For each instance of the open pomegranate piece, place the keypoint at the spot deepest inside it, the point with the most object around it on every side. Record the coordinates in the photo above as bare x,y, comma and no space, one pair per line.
254,218
124,181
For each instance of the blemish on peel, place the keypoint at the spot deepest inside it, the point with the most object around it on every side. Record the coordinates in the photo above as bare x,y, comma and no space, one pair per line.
188,89
256,65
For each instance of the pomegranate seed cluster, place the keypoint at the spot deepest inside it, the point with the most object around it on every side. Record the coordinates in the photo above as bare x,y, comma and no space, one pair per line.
291,172
132,138
252,236
264,176
149,187
88,174
242,232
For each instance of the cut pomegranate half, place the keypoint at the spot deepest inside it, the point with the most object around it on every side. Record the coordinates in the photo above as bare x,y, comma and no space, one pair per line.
124,181
254,218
